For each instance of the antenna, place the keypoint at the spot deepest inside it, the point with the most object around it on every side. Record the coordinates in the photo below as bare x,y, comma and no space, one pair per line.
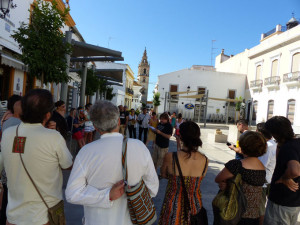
212,52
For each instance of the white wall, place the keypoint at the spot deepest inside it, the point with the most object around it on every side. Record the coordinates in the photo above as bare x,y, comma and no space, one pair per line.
280,46
217,83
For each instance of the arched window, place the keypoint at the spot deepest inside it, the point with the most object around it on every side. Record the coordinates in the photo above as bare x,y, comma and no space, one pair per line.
274,71
291,110
270,109
145,71
144,79
296,62
258,72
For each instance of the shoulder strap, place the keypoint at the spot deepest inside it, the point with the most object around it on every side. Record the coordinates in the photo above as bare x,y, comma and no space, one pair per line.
204,166
29,174
185,194
124,159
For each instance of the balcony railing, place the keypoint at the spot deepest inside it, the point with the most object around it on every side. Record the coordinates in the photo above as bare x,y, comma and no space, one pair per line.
256,84
129,91
272,81
291,77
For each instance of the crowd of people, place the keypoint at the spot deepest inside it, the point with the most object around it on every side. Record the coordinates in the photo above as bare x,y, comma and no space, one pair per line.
34,153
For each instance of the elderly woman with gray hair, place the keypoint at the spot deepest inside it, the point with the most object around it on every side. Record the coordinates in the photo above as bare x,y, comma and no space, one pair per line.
96,180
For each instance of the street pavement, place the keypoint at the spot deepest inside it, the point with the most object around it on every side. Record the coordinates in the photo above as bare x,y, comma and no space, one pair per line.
217,153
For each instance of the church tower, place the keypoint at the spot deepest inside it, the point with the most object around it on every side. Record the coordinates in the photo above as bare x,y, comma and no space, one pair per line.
143,76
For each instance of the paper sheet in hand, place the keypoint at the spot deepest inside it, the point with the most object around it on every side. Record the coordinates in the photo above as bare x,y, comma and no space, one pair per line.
152,128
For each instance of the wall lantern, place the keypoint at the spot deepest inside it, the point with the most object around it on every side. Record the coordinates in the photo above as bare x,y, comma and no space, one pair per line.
5,6
188,88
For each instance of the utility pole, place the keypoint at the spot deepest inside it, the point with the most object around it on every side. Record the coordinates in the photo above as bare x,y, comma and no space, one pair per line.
205,113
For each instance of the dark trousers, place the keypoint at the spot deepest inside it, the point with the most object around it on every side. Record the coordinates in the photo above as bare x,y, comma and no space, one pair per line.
4,204
132,130
145,131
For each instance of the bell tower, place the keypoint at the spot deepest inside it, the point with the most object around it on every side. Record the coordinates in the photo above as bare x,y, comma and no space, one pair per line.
143,76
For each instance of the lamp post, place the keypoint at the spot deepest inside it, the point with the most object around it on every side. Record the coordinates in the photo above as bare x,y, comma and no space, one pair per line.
5,6
188,90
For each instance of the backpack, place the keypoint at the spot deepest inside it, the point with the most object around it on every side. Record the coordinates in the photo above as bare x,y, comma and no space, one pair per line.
230,204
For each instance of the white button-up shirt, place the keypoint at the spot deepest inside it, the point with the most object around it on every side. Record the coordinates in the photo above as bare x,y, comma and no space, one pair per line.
98,167
269,160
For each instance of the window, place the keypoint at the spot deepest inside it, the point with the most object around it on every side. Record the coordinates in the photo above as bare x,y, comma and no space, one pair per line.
144,80
145,71
174,88
291,110
231,94
296,62
270,109
274,71
258,72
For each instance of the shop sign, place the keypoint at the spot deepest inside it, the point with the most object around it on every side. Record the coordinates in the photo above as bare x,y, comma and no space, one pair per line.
189,106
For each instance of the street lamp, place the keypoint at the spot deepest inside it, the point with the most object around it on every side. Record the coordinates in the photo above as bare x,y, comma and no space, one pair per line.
188,88
5,5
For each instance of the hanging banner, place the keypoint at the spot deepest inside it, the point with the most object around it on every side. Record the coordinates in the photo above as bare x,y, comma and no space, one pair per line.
189,106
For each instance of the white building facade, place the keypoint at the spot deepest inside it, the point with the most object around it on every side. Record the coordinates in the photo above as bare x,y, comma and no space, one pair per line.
198,80
119,91
273,73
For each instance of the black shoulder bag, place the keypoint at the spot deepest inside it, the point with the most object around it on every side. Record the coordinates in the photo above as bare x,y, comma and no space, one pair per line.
201,217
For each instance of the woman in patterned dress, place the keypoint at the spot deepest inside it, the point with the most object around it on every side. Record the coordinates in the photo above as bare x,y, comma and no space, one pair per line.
253,174
194,166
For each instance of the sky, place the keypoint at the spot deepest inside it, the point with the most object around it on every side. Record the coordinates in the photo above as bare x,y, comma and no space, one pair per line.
178,33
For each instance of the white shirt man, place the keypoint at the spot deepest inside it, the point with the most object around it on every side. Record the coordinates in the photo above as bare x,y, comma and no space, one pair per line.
98,167
269,159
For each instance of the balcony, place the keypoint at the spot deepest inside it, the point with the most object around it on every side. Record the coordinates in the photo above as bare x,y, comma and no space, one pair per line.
272,82
292,79
256,84
129,91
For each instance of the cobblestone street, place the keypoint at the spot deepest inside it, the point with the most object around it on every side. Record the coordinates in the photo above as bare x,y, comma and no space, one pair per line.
217,153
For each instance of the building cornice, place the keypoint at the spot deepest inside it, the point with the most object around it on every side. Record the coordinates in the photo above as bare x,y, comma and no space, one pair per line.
61,6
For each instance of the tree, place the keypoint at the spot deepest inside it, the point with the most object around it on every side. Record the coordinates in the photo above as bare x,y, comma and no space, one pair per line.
42,43
156,101
109,93
92,82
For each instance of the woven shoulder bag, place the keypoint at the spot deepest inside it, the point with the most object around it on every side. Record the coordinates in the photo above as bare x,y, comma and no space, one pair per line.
140,203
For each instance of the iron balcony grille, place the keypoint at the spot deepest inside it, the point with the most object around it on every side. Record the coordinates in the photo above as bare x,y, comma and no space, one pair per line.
256,83
275,80
290,77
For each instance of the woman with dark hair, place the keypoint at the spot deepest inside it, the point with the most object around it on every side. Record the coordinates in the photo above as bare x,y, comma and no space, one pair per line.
284,198
253,145
58,117
10,108
193,165
74,126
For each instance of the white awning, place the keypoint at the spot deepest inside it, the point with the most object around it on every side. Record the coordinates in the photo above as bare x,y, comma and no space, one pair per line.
13,62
